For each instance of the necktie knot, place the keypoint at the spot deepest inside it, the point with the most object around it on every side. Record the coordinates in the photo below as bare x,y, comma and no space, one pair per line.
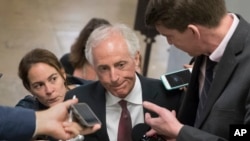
210,64
209,69
123,104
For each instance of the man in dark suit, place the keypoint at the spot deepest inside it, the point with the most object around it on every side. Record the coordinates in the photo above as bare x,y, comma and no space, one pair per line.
113,51
206,30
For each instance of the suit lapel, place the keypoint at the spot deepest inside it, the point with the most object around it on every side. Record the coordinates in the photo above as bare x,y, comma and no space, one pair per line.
100,110
189,105
226,67
148,94
222,76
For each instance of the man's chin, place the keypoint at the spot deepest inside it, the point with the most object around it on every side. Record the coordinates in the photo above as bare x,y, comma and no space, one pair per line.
119,94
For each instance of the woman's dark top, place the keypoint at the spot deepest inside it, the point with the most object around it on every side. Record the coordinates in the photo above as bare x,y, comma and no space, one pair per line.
31,102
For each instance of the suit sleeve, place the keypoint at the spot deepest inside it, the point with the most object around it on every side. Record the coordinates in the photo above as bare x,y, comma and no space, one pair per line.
193,134
16,124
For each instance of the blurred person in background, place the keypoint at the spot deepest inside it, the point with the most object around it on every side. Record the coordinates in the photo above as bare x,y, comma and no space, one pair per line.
80,67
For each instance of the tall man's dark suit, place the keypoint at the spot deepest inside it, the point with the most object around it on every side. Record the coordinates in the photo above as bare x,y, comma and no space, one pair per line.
228,99
94,95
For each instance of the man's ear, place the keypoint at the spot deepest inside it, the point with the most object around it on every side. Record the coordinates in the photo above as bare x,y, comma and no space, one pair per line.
138,62
138,59
195,30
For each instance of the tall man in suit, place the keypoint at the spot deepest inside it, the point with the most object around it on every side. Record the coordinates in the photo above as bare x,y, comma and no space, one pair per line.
113,51
204,29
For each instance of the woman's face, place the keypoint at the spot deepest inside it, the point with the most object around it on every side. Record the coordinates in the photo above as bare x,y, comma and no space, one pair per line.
46,84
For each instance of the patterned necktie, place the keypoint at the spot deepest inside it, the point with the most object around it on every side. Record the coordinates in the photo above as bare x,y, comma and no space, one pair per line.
207,83
125,125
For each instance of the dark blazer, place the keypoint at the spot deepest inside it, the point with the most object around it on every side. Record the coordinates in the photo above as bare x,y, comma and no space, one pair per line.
94,95
228,100
17,124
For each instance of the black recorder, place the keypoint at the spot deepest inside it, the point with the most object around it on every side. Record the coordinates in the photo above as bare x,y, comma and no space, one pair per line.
83,114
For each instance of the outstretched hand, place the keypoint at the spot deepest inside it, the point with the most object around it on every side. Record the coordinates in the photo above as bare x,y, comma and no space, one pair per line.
50,122
165,124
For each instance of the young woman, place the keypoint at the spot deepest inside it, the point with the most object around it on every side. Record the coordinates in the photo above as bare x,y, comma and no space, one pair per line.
44,77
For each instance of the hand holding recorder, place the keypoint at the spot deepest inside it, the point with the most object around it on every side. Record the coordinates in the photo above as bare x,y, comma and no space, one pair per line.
83,114
86,119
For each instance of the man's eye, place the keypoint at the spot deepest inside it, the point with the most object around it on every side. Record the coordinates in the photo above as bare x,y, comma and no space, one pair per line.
103,68
121,65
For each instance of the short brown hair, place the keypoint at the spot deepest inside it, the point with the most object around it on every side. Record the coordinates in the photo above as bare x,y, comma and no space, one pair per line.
37,55
177,14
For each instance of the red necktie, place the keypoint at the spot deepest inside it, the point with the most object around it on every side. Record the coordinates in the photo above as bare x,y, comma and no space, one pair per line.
125,125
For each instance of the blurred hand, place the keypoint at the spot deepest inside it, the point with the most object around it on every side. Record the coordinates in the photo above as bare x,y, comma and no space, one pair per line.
165,124
75,129
50,122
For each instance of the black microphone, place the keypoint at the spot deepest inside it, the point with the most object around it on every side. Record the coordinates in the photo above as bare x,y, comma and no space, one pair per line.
139,131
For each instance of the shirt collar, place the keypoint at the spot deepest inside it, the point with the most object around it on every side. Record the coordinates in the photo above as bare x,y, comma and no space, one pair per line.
219,51
135,96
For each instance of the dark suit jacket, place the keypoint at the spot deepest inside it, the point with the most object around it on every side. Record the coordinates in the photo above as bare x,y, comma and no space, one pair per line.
229,96
94,95
16,124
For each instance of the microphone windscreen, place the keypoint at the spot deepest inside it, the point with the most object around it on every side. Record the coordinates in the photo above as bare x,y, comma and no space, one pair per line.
139,131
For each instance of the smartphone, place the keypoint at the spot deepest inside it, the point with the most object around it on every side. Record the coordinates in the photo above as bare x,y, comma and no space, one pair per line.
177,79
83,114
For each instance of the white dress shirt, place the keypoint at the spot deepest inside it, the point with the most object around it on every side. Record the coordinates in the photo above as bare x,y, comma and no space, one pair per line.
113,109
